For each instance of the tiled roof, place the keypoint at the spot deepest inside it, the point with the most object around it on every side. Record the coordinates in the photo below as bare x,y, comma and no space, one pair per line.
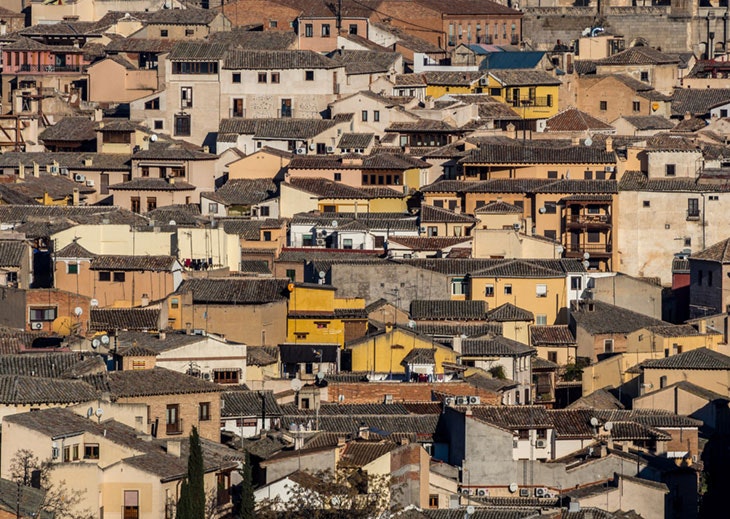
699,359
30,390
124,319
427,243
136,351
156,381
391,161
424,426
503,267
468,7
498,207
694,389
649,122
538,363
236,291
523,77
638,181
450,78
12,253
238,59
432,214
70,160
156,342
495,346
249,229
405,80
509,313
255,267
606,318
689,125
357,454
599,399
153,184
545,335
244,191
407,40
718,252
198,51
163,151
255,40
420,356
49,365
648,417
364,61
328,189
513,417
639,55
261,355
249,403
350,141
70,129
280,129
56,187
443,329
74,250
446,309
144,263
518,269
529,153
188,16
574,120
698,101
137,45
483,380
181,214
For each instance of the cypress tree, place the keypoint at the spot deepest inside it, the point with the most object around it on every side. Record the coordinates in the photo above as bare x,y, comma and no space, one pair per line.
191,504
248,504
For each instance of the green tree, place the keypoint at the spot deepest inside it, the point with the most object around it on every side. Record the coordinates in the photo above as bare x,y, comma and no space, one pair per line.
191,504
247,504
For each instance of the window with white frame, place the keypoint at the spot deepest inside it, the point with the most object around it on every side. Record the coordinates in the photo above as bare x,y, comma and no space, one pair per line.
541,290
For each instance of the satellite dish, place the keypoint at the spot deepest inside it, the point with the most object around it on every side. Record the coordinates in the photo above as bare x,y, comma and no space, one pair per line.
94,302
411,324
89,412
78,311
99,412
608,426
153,137
312,146
334,224
63,325
513,487
586,255
322,274
469,510
542,210
296,385
104,339
594,421
320,375
588,141
559,249
95,343
172,223
586,264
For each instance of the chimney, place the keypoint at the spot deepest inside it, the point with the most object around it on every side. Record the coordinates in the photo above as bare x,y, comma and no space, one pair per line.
206,149
144,301
609,144
174,447
171,180
76,197
456,345
162,336
687,116
21,171
575,140
36,170
188,328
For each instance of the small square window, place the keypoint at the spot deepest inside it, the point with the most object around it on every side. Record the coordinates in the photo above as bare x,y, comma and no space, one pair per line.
105,276
646,203
309,75
119,277
541,319
308,30
189,32
338,177
275,78
163,33
213,207
273,24
508,290
236,77
364,116
670,170
72,268
159,125
636,106
262,77
489,290
603,106
645,76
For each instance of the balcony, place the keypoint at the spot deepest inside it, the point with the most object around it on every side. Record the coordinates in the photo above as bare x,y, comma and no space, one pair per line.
43,69
596,220
173,428
594,249
533,102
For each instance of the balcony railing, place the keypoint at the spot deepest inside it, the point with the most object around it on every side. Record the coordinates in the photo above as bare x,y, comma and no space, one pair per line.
532,102
174,428
47,69
591,249
589,219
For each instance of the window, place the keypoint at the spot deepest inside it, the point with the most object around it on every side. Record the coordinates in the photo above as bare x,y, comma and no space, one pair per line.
267,235
693,207
376,116
273,24
308,30
603,106
172,419
194,67
75,451
91,451
594,237
338,177
325,30
204,411
646,203
670,170
364,116
131,504
163,33
551,234
42,314
182,127
152,104
264,210
458,287
432,231
236,77
588,175
433,501
226,376
291,274
541,290
688,242
576,283
608,346
553,356
541,319
636,106
309,75
551,208
72,268
508,290
489,290
275,77
645,76
174,303
105,276
67,454
552,174
347,243
151,203
189,32
663,381
262,77
116,137
118,277
159,125
213,207
353,28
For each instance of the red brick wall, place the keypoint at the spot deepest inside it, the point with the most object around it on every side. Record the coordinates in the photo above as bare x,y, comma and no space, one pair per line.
250,12
682,440
65,303
374,392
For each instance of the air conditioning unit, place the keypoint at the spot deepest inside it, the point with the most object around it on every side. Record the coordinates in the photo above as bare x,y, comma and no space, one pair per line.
462,400
465,491
388,399
330,149
90,183
64,172
301,151
79,178
483,81
474,400
516,226
603,218
524,492
53,169
541,444
206,376
320,242
482,492
36,326
449,400
610,169
541,492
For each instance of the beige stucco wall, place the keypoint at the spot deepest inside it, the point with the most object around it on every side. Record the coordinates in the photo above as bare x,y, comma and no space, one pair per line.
111,82
257,165
496,243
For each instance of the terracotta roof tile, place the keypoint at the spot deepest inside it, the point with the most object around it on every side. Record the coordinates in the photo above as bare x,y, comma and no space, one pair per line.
144,263
699,359
574,120
124,319
495,346
236,291
545,335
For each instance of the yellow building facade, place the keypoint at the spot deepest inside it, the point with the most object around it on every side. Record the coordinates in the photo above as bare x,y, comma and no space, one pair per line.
532,94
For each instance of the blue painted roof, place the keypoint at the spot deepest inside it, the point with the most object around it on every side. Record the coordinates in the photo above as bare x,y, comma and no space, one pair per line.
511,60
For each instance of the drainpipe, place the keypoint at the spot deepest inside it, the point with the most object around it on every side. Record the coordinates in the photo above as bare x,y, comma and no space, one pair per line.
704,222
